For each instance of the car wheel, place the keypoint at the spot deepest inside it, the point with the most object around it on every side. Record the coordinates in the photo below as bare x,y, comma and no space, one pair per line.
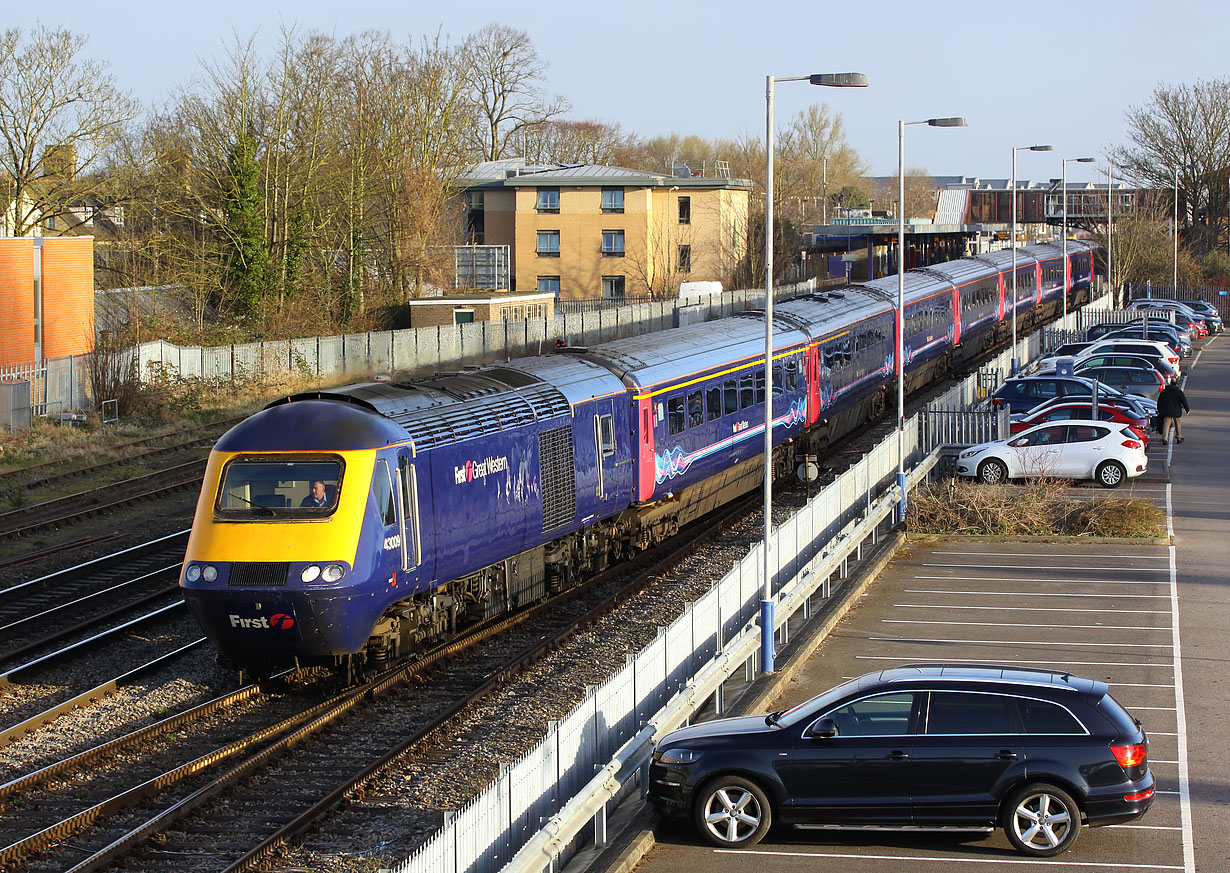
1110,474
731,811
1041,820
993,471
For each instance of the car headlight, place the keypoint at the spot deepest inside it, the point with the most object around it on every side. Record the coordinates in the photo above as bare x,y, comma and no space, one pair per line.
677,756
969,453
193,572
310,573
333,572
209,573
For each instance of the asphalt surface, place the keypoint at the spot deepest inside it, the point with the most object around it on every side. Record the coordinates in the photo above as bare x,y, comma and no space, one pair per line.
1153,620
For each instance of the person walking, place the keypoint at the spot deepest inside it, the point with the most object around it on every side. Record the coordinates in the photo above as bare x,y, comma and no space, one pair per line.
1171,404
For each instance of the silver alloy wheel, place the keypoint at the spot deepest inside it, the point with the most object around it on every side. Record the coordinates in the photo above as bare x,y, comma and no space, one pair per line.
732,814
1111,474
993,471
1042,821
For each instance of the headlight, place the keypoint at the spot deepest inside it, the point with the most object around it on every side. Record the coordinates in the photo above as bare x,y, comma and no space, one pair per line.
969,453
192,573
209,573
333,572
310,574
677,756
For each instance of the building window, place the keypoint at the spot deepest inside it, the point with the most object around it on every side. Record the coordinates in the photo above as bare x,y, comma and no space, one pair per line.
548,199
685,210
612,199
548,285
548,244
612,243
685,259
463,316
475,217
612,287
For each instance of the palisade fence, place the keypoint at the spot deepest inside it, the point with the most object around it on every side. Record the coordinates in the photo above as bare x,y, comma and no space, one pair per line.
532,817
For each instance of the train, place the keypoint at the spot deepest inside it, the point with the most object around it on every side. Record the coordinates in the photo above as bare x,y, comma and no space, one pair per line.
351,527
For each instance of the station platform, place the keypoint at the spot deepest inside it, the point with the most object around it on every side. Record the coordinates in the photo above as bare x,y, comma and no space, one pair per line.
1148,617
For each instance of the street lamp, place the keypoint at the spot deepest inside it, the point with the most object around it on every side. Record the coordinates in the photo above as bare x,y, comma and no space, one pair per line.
830,80
1015,149
1067,273
1110,229
1175,282
901,125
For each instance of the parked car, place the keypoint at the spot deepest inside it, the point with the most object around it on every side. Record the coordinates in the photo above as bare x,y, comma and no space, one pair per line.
1211,316
1146,348
1036,752
1067,350
1107,453
1128,403
1141,406
1163,367
1178,338
1145,381
1183,315
1023,393
1065,409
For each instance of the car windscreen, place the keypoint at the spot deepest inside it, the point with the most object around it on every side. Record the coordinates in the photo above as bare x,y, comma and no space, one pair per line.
255,488
817,704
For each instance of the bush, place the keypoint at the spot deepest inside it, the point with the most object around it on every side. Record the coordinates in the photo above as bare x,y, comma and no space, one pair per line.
1041,507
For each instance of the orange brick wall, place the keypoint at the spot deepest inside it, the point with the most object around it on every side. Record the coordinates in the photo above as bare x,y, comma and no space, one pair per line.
68,296
17,301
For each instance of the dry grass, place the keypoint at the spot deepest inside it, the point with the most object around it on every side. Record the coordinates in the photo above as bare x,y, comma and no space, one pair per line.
1041,507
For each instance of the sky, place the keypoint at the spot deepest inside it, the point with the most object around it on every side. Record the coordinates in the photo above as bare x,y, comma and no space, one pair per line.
1044,72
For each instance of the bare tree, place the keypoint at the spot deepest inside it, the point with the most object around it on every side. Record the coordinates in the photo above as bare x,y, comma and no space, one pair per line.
506,73
570,142
920,193
813,160
1184,128
59,115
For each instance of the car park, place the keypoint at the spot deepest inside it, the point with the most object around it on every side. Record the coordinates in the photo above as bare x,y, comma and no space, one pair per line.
1023,393
1209,312
1067,350
1145,381
1133,404
1176,337
1182,314
920,747
1108,453
1067,409
1161,366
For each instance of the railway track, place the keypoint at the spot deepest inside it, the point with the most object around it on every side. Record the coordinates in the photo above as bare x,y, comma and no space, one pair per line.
236,818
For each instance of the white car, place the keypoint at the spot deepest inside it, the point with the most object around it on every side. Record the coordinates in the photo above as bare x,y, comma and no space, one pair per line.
1106,452
1132,347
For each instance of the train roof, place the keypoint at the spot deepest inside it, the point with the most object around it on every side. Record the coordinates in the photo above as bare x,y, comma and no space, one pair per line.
919,284
821,313
960,272
671,355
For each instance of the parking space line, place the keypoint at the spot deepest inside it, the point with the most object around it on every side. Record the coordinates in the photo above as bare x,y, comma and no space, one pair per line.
1049,664
1030,594
1140,827
1036,624
1185,800
1141,685
1133,645
1033,567
949,606
945,859
1118,557
1160,708
1048,581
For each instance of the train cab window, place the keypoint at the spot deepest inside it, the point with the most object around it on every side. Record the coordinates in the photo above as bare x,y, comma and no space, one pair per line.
606,435
696,409
676,416
713,403
382,491
747,392
730,393
257,489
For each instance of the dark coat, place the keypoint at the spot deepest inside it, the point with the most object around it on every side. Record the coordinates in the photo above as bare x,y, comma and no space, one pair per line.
1172,402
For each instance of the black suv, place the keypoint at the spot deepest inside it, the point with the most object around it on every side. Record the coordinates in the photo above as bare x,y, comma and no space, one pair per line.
920,747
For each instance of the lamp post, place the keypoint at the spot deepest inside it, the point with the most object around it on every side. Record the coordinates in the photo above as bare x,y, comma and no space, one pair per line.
1067,272
900,352
1015,149
830,80
1110,228
1175,282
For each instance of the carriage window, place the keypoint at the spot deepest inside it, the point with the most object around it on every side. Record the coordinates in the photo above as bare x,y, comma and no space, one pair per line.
713,403
382,492
257,489
730,391
606,435
779,381
760,386
676,416
696,409
747,392
792,376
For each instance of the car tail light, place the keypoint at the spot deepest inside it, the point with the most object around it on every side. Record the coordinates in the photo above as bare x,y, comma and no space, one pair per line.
1143,795
1132,444
1129,756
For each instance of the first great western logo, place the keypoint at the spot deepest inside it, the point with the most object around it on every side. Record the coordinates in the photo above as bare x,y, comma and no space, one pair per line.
479,470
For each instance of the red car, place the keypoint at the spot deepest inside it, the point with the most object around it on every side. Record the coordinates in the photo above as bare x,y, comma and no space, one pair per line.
1077,409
